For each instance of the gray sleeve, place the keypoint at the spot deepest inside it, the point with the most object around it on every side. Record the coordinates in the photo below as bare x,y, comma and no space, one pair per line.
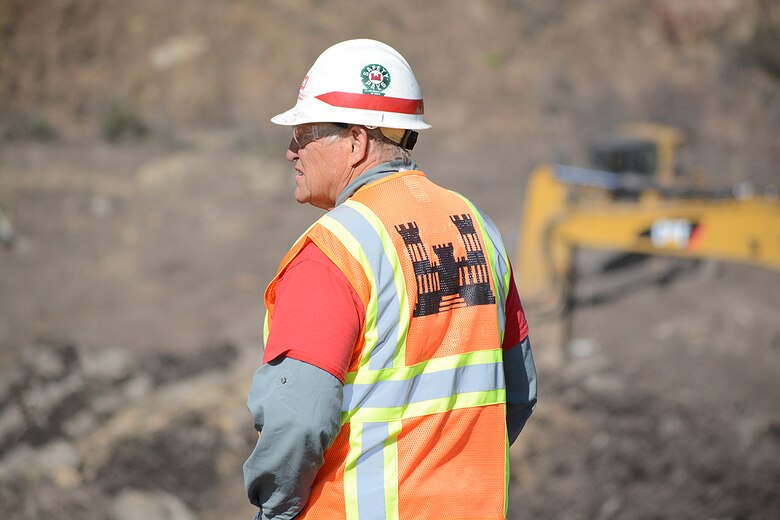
296,409
520,374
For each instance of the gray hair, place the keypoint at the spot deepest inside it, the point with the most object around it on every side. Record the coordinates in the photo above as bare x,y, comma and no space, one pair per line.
388,150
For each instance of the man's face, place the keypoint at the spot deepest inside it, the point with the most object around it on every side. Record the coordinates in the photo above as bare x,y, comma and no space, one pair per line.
320,159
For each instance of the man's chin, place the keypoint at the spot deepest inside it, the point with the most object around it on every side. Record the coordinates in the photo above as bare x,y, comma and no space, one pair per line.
301,198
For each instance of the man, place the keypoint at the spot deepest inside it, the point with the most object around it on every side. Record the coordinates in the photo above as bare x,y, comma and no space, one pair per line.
397,368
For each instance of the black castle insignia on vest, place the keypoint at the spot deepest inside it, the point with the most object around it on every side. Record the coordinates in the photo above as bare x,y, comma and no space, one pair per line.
449,282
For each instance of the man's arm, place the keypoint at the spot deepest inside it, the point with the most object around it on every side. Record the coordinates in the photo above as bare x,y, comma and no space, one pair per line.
520,374
519,367
296,394
296,409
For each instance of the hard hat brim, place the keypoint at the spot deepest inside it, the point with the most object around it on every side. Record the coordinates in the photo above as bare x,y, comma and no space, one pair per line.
289,118
325,113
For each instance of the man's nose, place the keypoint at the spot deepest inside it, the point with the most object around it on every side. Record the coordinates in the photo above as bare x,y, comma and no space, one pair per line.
292,151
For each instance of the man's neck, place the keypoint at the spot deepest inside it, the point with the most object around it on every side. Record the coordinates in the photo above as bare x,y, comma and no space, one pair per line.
373,174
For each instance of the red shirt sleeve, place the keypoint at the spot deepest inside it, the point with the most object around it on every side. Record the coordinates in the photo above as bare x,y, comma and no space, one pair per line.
317,314
516,328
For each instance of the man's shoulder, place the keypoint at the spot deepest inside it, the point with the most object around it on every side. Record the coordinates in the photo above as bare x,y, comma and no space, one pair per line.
311,252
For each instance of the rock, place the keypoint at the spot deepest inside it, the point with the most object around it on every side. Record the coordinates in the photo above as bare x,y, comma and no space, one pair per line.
137,387
108,403
41,400
100,206
11,422
609,508
141,505
6,229
59,461
20,464
604,384
10,380
80,424
582,347
670,427
106,365
600,440
66,478
46,362
178,50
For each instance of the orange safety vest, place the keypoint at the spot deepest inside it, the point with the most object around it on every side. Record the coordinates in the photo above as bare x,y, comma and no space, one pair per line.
423,430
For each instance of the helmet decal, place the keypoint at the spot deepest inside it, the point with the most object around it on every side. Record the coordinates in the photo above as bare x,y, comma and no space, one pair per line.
375,79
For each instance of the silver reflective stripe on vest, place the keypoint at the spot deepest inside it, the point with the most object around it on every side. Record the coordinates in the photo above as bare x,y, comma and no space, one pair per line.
424,387
499,262
370,470
389,303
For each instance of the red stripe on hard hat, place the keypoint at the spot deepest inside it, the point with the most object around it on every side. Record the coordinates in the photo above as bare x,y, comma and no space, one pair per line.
373,102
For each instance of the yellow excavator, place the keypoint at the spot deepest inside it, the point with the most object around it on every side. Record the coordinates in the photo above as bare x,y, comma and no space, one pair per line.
634,201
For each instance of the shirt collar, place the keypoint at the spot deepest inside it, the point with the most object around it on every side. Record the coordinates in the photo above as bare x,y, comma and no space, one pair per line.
374,174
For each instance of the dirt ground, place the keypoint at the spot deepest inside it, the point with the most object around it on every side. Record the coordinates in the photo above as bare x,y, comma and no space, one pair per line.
131,327
131,295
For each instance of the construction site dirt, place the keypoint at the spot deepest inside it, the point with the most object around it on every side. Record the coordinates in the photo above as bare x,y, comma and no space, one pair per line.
133,271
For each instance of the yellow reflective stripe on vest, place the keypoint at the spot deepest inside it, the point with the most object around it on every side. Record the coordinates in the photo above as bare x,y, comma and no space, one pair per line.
387,314
357,252
441,405
478,357
499,266
391,254
498,260
371,473
428,386
434,386
391,470
350,474
266,329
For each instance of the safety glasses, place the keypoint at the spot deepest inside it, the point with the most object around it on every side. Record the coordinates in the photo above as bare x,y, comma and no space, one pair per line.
305,134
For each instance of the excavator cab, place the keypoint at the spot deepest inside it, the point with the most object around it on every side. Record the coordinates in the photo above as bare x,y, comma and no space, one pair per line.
634,160
637,156
645,155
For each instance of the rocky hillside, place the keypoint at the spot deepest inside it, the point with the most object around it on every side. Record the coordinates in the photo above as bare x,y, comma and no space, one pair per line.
548,77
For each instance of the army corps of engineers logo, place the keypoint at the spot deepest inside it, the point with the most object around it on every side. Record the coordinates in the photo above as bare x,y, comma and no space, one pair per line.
375,78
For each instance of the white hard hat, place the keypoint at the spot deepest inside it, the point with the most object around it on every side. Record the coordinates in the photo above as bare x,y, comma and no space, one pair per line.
362,82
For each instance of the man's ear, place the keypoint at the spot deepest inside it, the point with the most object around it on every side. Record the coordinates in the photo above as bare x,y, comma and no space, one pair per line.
358,141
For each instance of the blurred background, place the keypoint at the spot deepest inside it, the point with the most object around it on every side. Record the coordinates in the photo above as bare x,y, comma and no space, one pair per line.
146,203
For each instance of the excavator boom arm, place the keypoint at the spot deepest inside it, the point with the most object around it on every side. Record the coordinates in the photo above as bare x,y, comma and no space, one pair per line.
730,229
